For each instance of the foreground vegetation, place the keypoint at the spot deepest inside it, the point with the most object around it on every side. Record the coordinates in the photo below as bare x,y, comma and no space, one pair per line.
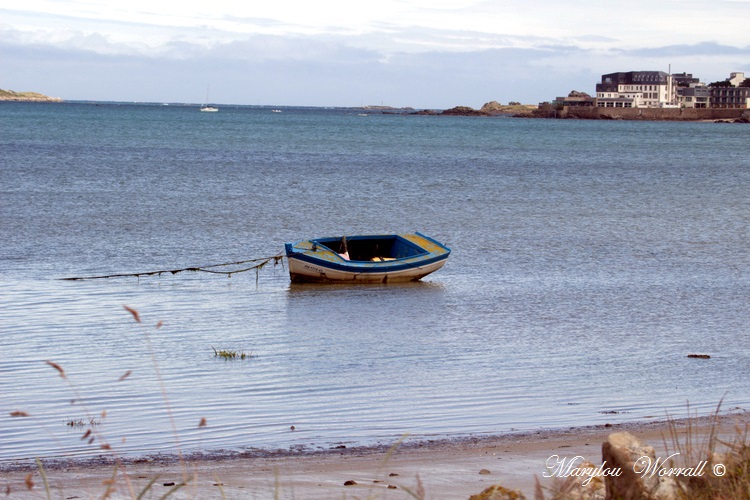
697,466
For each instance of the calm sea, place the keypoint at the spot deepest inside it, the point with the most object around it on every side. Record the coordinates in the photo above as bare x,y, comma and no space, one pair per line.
589,259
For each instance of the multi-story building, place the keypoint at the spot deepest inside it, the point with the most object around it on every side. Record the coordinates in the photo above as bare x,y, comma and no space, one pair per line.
695,96
731,94
637,89
730,97
691,92
685,79
657,89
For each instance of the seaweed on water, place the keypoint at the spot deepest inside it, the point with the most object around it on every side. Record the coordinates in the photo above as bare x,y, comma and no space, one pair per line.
227,354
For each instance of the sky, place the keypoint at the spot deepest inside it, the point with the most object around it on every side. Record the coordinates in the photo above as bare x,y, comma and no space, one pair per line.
432,54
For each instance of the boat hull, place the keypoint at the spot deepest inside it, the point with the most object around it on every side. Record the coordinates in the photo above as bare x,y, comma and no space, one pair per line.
305,272
413,256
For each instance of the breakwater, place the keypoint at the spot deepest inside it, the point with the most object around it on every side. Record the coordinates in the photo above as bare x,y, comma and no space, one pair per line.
654,114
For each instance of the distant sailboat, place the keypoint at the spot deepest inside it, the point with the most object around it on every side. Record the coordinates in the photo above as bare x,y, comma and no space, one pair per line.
206,108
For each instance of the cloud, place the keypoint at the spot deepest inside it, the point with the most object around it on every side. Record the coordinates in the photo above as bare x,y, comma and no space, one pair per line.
262,60
283,70
688,50
380,45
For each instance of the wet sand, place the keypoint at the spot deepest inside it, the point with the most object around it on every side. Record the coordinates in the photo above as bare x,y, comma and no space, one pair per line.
443,469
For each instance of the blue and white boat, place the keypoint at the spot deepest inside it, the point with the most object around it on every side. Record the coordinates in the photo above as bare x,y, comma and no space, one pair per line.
389,258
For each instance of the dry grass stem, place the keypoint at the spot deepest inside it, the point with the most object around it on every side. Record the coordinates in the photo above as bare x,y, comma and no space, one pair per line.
135,314
56,367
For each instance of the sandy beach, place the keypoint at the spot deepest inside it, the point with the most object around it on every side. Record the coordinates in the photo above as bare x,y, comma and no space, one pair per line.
441,469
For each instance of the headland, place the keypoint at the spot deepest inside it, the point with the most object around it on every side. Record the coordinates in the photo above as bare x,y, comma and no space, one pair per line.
11,95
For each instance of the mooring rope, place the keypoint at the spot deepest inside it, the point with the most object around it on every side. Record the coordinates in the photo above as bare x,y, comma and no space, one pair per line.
261,262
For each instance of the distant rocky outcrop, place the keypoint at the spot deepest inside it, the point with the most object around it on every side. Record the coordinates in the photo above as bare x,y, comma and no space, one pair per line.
11,95
492,108
386,109
463,111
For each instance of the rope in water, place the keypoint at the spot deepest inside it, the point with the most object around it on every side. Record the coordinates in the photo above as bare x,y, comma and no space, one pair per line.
261,262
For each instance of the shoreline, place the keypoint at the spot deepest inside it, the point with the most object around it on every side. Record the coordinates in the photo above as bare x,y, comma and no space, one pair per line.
686,115
447,468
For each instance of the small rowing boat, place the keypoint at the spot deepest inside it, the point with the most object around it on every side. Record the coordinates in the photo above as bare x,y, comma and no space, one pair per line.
365,259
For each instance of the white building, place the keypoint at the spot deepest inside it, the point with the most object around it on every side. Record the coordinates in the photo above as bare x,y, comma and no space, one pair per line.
736,78
636,89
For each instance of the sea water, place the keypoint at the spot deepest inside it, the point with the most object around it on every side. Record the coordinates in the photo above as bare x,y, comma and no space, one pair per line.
589,259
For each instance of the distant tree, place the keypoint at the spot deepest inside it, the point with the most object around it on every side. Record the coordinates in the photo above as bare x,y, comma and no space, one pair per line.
722,83
515,103
745,83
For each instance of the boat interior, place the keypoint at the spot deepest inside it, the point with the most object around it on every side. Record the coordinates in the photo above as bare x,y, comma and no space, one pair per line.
371,248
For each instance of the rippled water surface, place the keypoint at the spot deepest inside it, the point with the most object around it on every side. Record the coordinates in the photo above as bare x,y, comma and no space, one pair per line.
589,258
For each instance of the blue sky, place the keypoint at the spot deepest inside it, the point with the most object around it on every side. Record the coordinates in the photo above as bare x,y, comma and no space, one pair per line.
419,53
